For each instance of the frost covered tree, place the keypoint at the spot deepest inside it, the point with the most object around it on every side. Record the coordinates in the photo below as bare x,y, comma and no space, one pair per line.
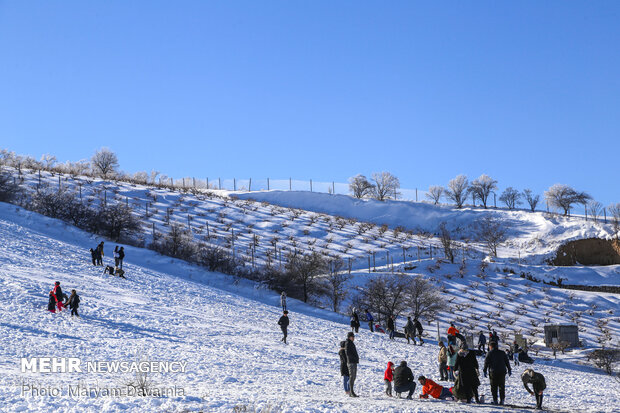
446,242
564,197
48,161
531,198
511,197
492,232
457,190
359,186
104,162
385,186
614,215
482,188
594,208
435,193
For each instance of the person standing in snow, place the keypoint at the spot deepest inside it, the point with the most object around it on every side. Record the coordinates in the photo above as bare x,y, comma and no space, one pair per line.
74,303
370,321
430,388
100,250
391,327
121,256
355,321
352,361
452,332
467,381
410,330
482,342
443,362
419,330
283,300
93,256
344,369
388,376
59,295
116,259
403,380
497,363
283,322
51,304
516,350
452,354
495,337
97,256
537,381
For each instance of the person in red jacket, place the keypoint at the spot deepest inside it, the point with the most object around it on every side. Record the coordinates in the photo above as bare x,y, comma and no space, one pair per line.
429,387
452,332
388,377
59,295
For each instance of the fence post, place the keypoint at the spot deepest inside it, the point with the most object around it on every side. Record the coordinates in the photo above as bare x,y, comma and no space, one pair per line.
234,184
219,181
105,197
59,183
416,194
333,188
369,263
494,200
183,182
605,214
207,182
127,201
172,182
250,186
585,211
153,230
290,184
194,179
268,184
311,185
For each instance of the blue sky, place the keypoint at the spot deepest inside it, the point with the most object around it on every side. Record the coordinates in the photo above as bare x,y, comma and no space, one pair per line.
527,92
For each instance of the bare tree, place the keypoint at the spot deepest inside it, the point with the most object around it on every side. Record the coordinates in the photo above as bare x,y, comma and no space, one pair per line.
104,162
385,295
359,186
177,243
305,269
614,211
423,298
492,232
457,190
594,208
385,186
9,189
531,199
446,242
564,197
48,161
435,193
336,281
511,197
605,358
482,187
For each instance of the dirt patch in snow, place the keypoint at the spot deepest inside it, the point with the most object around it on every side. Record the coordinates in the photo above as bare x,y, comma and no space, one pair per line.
591,251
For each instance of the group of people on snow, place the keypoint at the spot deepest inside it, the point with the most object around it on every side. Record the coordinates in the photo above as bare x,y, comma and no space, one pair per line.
97,255
59,300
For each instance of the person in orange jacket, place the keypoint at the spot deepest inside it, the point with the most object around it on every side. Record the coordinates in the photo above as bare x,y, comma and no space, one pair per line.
429,387
388,377
452,332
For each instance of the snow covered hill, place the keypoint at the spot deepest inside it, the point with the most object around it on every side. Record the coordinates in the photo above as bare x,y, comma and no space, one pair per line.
225,329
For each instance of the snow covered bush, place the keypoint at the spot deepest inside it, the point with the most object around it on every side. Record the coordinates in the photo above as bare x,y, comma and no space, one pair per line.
531,198
511,197
104,162
385,186
605,358
457,190
482,188
435,193
564,197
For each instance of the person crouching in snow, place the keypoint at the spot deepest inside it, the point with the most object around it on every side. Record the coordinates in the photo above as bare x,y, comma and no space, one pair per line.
74,303
388,377
51,304
344,369
283,322
403,380
538,383
429,387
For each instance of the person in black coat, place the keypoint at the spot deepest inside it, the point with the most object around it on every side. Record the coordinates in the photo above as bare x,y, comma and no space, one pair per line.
74,303
468,381
100,252
537,381
418,327
391,327
51,304
93,256
97,256
352,361
355,322
121,257
403,380
497,364
344,369
283,322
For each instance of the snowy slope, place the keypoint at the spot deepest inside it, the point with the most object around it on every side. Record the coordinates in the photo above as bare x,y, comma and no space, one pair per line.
226,331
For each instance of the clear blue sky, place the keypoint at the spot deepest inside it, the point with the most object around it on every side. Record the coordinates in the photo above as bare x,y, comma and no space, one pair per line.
525,91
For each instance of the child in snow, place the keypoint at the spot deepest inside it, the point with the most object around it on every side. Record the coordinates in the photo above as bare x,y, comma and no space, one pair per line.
74,303
388,376
429,387
344,369
59,295
452,354
51,304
